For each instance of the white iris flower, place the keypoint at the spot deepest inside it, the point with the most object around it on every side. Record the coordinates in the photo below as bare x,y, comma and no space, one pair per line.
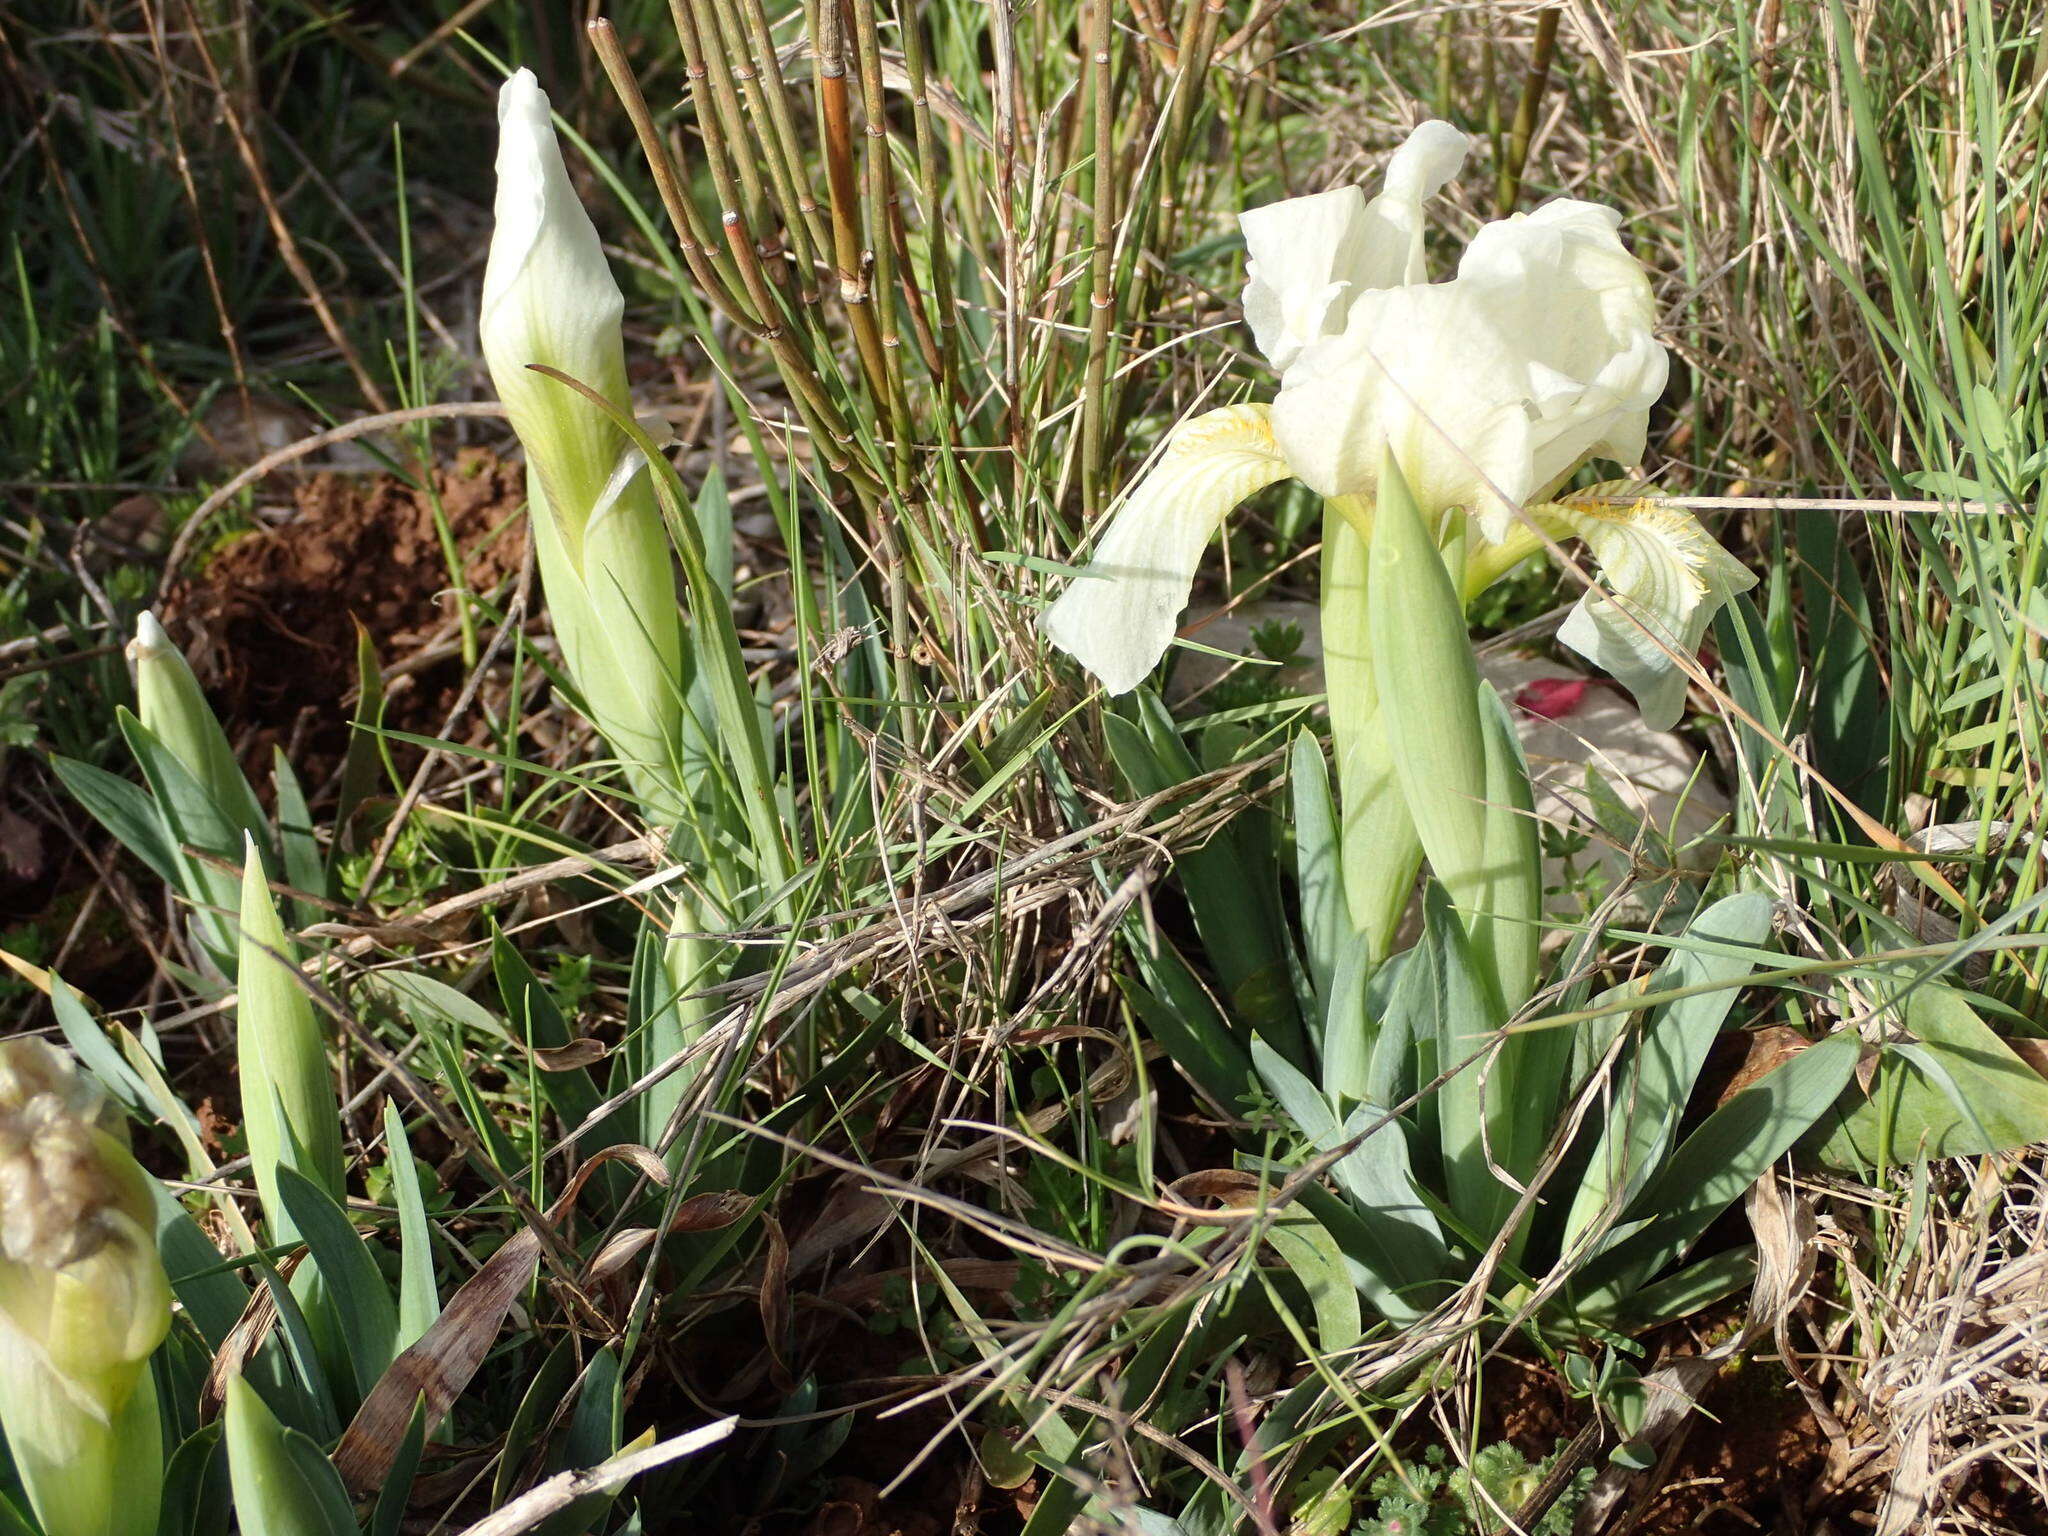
1489,389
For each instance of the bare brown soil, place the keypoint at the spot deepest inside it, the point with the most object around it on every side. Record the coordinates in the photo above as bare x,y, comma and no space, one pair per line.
1751,1462
270,621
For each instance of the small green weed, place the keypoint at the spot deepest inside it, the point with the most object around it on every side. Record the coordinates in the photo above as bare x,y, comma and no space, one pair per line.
1434,1498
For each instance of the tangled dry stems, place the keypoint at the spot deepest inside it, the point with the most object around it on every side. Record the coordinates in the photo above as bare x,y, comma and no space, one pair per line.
1950,1408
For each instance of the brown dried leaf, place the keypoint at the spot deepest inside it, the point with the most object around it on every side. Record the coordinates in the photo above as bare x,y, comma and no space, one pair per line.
567,1058
709,1211
21,846
1231,1189
1670,1395
700,1213
775,1300
258,1317
1766,1050
2033,1052
644,1160
618,1252
854,1212
439,1366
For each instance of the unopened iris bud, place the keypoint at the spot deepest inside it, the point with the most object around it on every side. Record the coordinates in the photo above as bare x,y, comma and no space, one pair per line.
175,711
549,298
176,714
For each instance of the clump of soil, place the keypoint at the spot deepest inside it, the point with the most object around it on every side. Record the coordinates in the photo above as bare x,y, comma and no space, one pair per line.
1751,1462
270,622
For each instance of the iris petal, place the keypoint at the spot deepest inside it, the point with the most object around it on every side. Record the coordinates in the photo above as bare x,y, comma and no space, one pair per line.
1665,577
1117,617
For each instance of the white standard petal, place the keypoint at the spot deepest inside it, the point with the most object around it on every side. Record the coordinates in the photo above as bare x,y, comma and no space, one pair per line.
1422,369
1668,578
549,297
1117,617
1431,156
1313,257
1302,251
1576,313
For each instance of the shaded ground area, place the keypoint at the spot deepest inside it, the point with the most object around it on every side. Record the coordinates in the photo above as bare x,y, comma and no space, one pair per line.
1749,1461
270,622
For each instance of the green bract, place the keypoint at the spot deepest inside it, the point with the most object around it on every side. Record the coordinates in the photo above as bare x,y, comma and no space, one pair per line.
288,1104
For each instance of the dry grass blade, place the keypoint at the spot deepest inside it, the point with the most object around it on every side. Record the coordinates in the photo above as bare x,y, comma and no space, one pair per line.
565,1488
437,1368
1952,1409
254,1326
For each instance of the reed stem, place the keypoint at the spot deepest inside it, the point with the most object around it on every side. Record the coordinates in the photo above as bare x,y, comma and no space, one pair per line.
1101,261
843,185
1516,159
699,253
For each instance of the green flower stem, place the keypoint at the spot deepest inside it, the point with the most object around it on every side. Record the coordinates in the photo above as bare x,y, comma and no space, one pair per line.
171,704
289,1110
688,962
1429,764
1380,851
1464,787
1487,563
620,629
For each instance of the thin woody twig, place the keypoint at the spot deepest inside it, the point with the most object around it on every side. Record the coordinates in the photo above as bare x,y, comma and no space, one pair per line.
1824,504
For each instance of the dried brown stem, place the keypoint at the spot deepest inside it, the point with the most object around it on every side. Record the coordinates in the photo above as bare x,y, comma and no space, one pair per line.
1101,262
280,229
699,254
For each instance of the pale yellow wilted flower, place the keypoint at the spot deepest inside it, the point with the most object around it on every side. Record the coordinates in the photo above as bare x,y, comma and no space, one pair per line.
84,1301
549,298
1487,390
